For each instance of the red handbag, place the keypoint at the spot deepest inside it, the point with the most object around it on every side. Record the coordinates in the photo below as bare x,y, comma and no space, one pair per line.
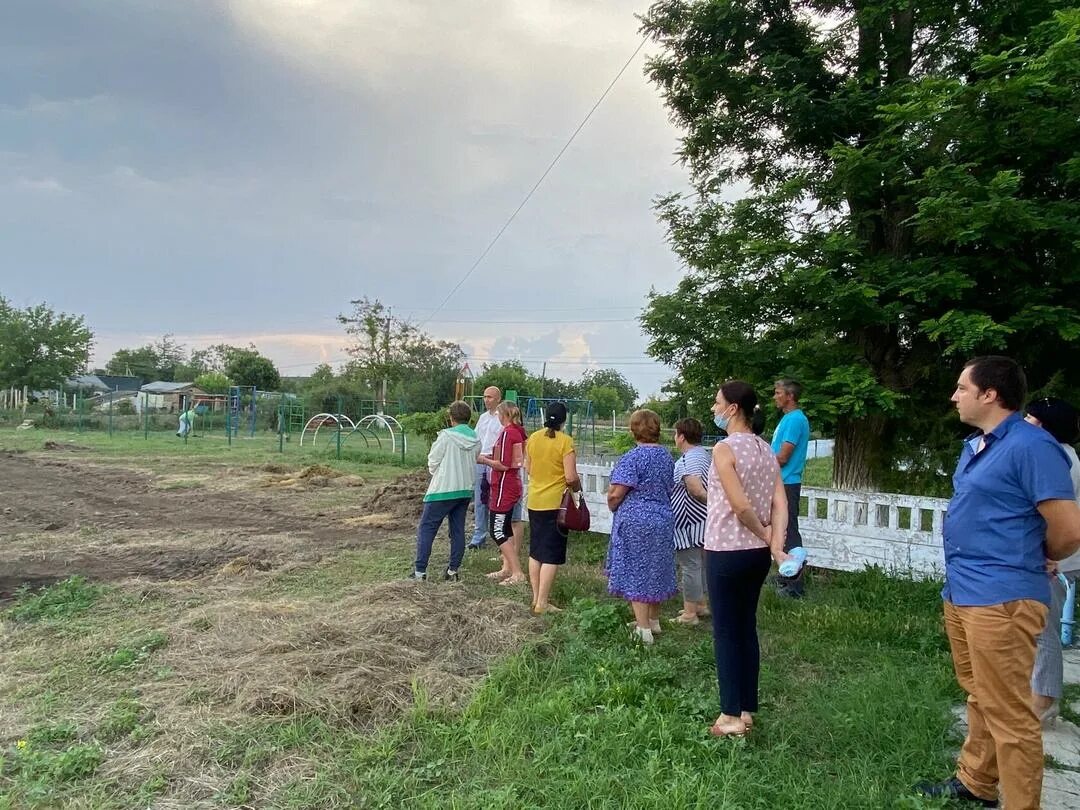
573,514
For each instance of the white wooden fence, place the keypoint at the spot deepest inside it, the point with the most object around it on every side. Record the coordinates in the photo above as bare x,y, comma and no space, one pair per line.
841,530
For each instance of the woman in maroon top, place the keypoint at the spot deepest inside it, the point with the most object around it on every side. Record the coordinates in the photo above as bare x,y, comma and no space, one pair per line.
504,496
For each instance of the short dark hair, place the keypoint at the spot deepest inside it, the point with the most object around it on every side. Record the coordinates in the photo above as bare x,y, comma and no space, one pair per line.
645,425
1004,375
460,412
792,387
742,394
1057,417
691,429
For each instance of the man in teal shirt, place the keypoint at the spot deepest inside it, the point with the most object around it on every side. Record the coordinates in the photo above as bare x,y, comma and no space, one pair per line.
789,443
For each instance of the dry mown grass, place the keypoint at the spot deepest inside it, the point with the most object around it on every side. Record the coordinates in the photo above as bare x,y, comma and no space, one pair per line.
234,657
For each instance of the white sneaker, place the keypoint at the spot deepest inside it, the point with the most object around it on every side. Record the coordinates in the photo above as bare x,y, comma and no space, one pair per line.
654,625
643,634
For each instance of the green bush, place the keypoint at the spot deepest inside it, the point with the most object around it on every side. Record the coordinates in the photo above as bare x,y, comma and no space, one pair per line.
64,599
426,425
130,655
622,442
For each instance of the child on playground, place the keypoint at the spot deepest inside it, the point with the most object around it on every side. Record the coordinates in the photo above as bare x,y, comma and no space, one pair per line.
506,461
187,422
452,464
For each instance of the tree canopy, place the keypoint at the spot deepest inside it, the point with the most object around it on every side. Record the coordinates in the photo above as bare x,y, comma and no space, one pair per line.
248,367
393,358
41,348
881,189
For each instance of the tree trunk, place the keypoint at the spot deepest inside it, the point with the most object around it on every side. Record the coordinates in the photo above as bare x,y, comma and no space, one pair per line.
859,442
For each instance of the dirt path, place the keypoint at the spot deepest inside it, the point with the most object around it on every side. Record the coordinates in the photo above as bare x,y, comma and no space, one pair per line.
64,515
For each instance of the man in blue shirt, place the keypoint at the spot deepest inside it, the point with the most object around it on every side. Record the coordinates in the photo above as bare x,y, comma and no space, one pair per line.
1012,508
789,443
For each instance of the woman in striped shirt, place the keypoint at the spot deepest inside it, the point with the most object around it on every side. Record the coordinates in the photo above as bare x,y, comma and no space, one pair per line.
688,500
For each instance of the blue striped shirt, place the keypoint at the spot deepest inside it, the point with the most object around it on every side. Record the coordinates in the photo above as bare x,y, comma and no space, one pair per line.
690,514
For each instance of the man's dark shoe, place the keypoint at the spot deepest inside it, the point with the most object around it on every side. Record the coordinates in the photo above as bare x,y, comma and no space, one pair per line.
952,789
450,576
474,546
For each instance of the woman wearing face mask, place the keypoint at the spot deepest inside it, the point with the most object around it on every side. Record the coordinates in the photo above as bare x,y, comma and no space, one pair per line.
1059,419
744,532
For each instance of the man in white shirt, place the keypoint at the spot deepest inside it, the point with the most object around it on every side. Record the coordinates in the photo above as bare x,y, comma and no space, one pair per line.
487,429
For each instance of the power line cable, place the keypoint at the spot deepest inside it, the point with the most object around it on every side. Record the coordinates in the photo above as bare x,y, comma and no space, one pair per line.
536,185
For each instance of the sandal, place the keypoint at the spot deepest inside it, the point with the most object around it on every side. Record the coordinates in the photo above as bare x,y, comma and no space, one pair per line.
498,575
736,729
691,620
511,581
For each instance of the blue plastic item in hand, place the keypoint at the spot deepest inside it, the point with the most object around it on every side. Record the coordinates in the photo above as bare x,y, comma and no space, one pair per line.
1068,611
790,568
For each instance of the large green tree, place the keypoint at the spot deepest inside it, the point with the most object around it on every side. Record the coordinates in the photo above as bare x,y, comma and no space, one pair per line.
41,348
248,367
881,189
161,360
394,358
610,378
509,375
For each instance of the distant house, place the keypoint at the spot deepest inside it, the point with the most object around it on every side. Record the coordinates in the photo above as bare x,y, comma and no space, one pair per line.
171,396
100,383
103,400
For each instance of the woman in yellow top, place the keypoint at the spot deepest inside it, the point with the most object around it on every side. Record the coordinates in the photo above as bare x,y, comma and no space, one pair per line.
551,464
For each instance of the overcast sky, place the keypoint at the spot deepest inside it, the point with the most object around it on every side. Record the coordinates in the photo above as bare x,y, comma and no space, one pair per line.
239,170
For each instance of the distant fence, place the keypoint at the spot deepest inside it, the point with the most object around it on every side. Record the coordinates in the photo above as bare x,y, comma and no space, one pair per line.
844,531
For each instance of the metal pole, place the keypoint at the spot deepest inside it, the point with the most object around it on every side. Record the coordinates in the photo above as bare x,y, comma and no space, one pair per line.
339,407
281,424
145,416
110,417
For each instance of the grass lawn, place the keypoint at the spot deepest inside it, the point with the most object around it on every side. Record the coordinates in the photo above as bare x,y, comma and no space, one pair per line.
856,685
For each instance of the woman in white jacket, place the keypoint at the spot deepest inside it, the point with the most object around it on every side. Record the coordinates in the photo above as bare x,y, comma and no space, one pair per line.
452,464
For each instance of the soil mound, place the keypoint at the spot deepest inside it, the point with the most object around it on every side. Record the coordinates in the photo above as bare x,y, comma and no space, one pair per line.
402,500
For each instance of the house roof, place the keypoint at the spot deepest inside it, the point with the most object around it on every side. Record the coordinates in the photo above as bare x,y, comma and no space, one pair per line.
91,381
111,396
105,382
116,382
162,387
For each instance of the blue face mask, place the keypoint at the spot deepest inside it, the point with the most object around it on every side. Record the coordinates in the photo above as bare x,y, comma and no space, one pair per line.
721,421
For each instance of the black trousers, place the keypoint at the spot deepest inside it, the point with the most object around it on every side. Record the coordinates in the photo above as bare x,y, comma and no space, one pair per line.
734,579
793,585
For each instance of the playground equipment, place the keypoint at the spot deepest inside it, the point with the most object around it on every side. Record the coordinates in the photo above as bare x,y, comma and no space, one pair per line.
579,412
337,421
463,388
367,428
240,408
390,425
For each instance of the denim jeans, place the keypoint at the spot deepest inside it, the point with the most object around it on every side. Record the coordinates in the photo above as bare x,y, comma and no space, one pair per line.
480,510
434,514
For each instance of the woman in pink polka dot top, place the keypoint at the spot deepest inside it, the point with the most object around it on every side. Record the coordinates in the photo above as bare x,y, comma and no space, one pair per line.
744,533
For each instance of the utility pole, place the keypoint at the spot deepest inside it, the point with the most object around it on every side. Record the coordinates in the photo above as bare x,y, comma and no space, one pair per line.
543,375
386,360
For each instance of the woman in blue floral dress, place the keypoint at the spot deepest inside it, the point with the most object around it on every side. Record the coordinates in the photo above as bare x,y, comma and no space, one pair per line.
641,556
